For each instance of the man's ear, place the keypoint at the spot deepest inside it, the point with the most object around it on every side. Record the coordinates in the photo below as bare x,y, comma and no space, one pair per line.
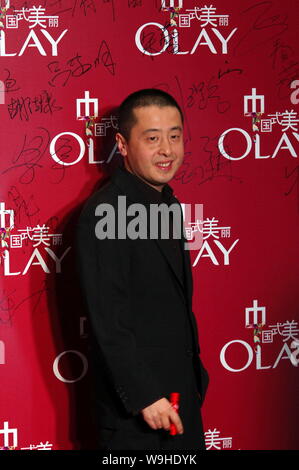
122,144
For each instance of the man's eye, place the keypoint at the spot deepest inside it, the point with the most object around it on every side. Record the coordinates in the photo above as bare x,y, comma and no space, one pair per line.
152,138
174,137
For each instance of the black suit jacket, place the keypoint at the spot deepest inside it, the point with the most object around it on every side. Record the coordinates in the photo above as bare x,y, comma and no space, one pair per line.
140,310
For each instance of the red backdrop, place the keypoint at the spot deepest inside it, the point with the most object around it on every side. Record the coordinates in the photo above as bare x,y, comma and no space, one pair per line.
225,63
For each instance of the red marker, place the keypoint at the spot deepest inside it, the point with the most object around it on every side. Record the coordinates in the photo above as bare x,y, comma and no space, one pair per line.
174,400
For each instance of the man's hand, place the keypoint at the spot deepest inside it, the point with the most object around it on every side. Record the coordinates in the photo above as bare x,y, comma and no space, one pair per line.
161,414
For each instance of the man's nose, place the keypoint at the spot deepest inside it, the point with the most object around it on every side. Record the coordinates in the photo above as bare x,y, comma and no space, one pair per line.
165,147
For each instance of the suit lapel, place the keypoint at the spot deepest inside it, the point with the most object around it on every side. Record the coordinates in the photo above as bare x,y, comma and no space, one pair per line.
185,288
167,252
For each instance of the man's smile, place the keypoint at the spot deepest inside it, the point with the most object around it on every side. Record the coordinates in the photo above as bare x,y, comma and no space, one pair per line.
164,166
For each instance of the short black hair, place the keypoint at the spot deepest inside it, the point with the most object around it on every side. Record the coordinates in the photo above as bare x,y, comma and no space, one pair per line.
139,99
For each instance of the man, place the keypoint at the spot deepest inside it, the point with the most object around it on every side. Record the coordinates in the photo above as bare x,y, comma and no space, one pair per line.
138,290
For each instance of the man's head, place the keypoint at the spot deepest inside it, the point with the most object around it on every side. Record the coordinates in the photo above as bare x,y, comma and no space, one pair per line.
150,136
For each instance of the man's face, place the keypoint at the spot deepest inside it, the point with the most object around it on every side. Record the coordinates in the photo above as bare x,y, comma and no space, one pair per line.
155,149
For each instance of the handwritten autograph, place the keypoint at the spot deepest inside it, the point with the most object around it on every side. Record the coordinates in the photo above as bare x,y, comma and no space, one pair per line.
24,106
76,67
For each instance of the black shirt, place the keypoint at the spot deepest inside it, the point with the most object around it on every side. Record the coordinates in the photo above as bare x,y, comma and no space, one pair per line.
157,197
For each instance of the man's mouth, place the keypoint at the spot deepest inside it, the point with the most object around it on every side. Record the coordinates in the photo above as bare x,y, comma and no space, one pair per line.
164,166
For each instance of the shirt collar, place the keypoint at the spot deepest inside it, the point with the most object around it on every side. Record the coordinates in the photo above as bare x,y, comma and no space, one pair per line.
151,194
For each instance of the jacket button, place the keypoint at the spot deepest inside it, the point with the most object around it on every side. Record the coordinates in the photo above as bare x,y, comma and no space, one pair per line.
189,352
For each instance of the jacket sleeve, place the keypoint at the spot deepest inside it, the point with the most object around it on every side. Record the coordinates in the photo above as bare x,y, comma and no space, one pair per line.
104,272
